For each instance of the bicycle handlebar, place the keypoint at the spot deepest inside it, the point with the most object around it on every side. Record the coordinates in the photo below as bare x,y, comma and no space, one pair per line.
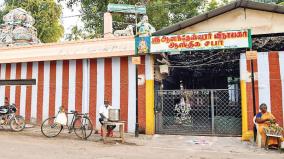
77,113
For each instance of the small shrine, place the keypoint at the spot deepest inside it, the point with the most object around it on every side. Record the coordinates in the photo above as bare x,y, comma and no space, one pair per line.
18,29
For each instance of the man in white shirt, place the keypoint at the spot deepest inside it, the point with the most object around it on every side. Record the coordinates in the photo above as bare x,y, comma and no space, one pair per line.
104,110
105,115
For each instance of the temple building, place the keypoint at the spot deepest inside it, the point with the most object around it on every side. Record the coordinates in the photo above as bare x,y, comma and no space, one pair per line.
202,92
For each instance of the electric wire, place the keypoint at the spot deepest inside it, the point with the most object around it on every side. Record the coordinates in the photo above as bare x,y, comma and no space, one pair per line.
120,10
208,64
191,62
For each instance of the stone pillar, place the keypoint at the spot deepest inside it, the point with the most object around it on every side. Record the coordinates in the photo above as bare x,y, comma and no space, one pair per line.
108,25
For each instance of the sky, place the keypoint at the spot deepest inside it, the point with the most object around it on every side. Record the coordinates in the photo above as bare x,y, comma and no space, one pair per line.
69,18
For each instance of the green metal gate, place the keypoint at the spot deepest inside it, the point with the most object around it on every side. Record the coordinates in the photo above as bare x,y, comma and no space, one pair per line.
198,112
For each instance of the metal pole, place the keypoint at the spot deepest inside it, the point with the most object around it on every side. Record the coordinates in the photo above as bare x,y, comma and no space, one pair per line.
253,97
137,124
212,111
136,81
136,23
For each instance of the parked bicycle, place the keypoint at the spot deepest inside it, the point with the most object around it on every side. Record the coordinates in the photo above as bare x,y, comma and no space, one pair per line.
80,124
8,117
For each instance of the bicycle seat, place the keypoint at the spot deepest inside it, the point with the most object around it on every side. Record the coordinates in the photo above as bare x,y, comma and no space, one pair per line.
74,111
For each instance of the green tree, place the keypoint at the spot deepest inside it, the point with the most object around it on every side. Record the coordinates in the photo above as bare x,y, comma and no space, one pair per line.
46,13
280,2
161,13
76,34
212,5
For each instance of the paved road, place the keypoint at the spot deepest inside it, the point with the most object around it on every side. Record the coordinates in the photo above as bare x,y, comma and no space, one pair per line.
32,145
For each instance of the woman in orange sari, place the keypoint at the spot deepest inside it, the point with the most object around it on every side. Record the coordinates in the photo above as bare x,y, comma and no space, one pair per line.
264,120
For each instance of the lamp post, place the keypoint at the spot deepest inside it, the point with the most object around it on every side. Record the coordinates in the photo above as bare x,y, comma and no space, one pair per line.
252,55
136,124
253,97
136,80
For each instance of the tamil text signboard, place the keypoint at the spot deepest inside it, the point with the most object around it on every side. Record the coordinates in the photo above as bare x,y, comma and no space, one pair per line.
201,41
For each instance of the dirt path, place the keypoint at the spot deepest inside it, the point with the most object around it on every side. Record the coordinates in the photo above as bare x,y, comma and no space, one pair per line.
31,144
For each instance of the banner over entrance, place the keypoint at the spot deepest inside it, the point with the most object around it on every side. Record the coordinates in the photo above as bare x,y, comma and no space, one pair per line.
201,41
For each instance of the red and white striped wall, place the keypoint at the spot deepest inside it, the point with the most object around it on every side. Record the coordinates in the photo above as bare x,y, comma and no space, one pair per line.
80,85
269,84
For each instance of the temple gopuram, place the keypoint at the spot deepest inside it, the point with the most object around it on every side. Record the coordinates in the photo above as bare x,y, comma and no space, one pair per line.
18,29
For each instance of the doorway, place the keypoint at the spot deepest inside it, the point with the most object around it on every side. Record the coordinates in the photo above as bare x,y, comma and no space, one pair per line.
199,95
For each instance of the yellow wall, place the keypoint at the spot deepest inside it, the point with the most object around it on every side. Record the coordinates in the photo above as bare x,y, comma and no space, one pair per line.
150,114
246,135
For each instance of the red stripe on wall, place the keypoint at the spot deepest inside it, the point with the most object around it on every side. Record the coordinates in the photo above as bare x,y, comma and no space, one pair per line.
7,77
79,85
29,92
108,79
275,87
65,84
249,94
40,91
1,78
124,89
18,88
52,88
142,98
93,90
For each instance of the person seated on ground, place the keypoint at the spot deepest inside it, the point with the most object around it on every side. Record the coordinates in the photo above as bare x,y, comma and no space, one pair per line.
266,120
104,117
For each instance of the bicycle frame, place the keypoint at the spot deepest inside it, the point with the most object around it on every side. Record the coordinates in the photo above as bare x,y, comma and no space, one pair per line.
74,117
70,126
77,118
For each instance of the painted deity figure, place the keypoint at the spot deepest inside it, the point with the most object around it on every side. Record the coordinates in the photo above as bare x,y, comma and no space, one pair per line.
142,48
144,27
182,112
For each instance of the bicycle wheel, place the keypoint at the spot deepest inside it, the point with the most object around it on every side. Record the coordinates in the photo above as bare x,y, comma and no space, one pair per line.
49,128
83,127
17,123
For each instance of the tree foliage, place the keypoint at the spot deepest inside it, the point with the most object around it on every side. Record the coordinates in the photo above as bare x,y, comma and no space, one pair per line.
76,34
161,13
212,5
280,2
46,13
